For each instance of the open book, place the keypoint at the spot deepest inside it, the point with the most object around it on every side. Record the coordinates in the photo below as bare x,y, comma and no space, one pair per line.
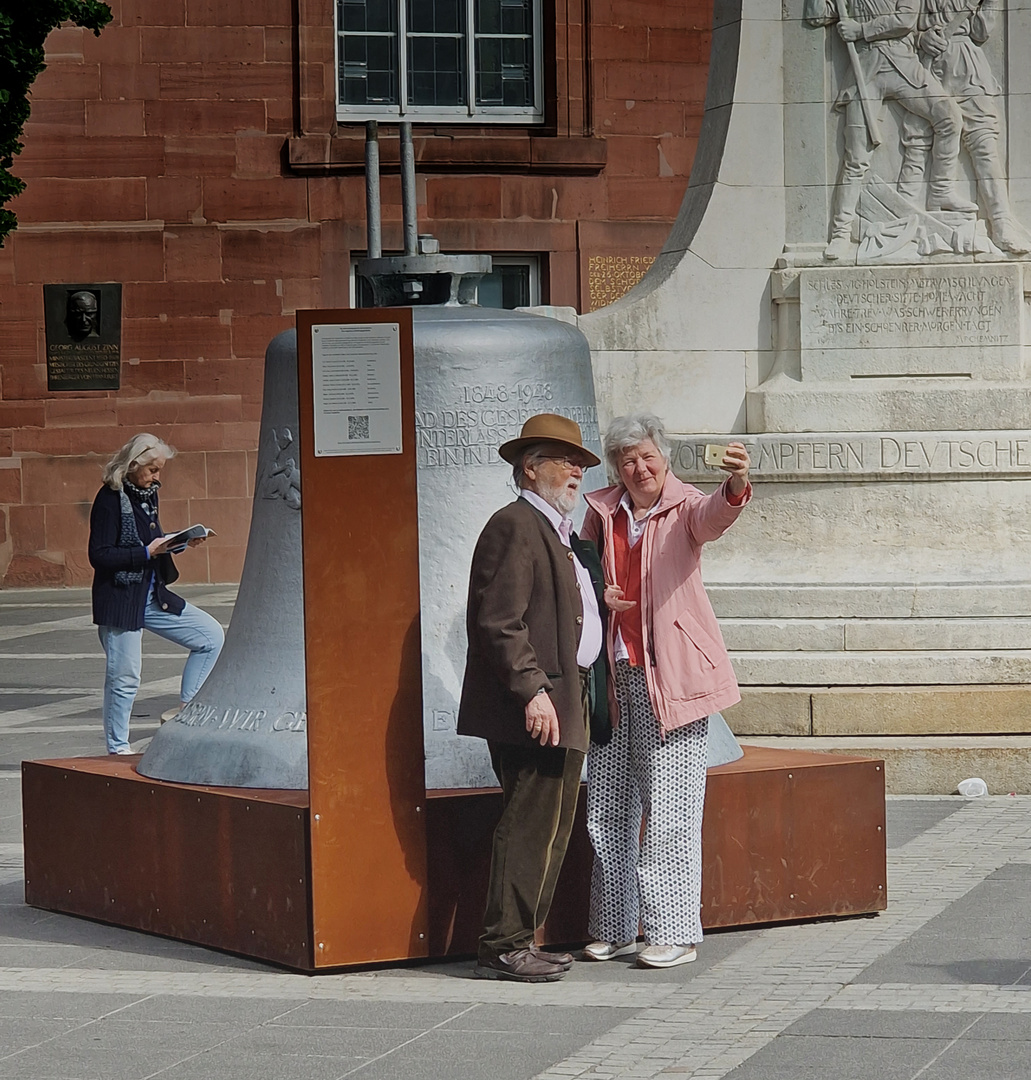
177,541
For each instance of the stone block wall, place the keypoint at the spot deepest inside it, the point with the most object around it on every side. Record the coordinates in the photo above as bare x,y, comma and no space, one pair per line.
169,154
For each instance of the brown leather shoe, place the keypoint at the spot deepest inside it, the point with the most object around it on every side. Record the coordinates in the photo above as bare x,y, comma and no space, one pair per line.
560,959
520,966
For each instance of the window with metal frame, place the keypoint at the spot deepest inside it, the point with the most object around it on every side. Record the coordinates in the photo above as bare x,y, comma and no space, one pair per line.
513,282
439,60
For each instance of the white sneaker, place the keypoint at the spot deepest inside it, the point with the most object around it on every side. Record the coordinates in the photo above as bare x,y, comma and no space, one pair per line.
606,950
664,956
124,752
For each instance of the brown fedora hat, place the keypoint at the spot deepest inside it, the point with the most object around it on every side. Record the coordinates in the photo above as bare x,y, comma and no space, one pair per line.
547,427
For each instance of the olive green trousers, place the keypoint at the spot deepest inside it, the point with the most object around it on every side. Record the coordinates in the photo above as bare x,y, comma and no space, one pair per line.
540,786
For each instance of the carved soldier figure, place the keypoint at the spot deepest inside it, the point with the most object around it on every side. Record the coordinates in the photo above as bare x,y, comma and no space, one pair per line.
882,32
950,36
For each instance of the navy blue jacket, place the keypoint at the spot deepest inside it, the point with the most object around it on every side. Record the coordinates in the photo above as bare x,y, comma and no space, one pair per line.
117,605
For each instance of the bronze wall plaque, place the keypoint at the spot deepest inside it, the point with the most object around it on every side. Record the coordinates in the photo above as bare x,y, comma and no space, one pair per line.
84,336
610,277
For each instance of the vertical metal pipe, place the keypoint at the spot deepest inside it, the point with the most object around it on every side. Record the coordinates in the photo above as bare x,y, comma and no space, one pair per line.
373,227
409,213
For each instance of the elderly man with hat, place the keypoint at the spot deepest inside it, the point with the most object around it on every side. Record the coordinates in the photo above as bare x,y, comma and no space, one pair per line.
535,634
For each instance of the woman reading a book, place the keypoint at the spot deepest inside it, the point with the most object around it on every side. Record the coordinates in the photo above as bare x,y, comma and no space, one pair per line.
132,569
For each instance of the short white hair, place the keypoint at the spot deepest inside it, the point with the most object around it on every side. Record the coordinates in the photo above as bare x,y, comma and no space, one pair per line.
631,430
140,450
532,456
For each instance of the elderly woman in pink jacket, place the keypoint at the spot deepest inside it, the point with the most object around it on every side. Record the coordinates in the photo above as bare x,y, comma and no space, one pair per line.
671,670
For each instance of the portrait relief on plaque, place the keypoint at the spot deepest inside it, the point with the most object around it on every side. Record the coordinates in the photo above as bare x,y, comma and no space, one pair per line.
84,336
922,111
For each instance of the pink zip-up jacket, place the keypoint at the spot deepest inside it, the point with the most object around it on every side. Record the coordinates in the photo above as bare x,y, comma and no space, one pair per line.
690,675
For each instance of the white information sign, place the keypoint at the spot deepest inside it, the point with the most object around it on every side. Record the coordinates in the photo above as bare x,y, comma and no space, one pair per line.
356,369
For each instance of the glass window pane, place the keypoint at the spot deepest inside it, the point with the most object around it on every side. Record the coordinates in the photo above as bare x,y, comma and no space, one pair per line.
382,15
362,292
516,93
352,16
381,88
488,74
449,16
515,19
382,71
420,88
506,286
504,72
436,16
420,16
513,53
369,15
354,50
488,17
380,52
515,286
489,89
449,89
504,17
368,51
368,71
436,70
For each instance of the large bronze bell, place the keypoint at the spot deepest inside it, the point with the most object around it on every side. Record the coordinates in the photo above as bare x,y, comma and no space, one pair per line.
246,727
479,374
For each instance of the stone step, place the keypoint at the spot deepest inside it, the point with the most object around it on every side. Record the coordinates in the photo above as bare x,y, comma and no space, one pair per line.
993,633
931,765
870,601
882,710
933,668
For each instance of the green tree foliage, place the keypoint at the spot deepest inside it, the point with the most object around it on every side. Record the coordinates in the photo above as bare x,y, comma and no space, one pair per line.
24,27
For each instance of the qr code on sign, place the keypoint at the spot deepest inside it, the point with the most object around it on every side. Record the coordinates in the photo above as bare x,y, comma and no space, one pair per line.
358,427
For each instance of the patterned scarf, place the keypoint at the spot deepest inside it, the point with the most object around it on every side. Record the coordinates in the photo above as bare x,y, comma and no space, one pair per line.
128,535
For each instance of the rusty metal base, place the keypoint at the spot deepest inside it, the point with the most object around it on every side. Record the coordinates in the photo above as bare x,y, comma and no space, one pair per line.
787,835
224,867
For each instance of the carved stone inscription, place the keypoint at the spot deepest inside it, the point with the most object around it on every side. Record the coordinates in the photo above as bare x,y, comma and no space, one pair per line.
874,456
222,718
866,308
486,415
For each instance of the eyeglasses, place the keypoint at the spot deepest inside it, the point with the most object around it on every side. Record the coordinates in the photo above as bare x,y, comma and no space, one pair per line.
566,461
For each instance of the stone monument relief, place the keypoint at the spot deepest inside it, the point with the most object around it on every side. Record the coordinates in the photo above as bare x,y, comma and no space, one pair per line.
899,297
901,183
846,289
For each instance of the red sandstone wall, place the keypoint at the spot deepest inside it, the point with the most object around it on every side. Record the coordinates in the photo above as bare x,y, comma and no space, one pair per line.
155,157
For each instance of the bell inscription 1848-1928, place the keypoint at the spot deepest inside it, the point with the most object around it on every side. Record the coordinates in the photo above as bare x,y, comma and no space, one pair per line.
84,336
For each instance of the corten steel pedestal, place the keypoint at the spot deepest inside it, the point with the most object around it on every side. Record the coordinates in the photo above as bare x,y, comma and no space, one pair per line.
787,835
363,867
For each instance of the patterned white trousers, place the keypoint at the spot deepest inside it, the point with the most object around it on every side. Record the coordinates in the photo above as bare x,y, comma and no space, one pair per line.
654,882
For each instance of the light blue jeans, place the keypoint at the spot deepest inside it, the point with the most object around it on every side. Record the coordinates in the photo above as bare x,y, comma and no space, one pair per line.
194,629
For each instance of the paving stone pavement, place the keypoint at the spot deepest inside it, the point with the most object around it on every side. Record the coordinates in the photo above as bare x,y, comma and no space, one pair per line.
937,987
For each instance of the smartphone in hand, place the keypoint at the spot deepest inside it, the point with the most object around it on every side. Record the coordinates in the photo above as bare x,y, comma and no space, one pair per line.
714,454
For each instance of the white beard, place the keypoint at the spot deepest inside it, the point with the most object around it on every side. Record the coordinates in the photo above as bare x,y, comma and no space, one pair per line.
559,496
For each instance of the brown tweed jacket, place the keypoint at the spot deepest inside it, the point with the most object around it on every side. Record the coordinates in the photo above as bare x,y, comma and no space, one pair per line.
523,621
